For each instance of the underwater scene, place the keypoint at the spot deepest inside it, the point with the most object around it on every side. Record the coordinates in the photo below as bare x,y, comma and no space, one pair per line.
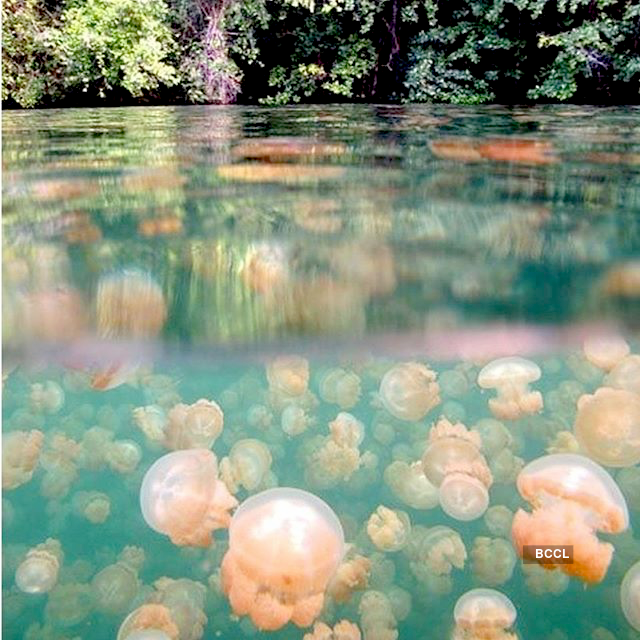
321,373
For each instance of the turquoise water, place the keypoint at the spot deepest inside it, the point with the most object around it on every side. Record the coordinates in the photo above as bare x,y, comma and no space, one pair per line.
356,237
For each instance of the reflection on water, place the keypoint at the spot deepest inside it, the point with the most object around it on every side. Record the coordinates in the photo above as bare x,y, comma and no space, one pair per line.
397,309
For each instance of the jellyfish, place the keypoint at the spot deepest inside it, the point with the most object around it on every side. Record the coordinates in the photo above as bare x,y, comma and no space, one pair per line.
572,498
182,497
123,456
400,600
498,520
511,377
47,397
630,596
284,547
185,601
69,604
376,617
295,420
625,375
38,572
288,376
352,575
608,427
453,462
148,622
20,454
410,485
492,560
541,581
564,442
628,480
95,506
388,529
343,630
195,426
484,614
260,417
605,352
129,304
341,387
152,421
409,391
247,465
60,462
117,585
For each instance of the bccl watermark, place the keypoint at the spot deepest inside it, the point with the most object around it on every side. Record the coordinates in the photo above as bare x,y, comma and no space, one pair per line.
547,554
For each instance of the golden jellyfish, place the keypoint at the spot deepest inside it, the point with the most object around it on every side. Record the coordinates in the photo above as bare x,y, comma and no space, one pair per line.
492,560
247,465
376,617
343,630
572,498
605,352
185,601
38,572
129,304
284,547
69,604
20,454
95,506
541,581
182,497
260,417
410,485
564,442
607,427
388,529
484,614
195,426
409,391
295,420
47,397
630,596
341,387
123,456
454,463
60,462
498,520
152,421
148,622
117,585
352,575
511,377
625,375
288,376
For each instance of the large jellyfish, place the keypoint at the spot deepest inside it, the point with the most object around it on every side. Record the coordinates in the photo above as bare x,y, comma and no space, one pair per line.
630,596
284,547
38,572
20,453
608,427
510,377
409,391
195,426
484,614
572,498
454,463
182,497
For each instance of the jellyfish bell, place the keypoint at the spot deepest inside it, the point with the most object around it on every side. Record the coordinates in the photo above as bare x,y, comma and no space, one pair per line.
148,622
605,352
625,375
463,497
630,596
284,546
572,498
38,572
484,613
182,497
193,426
409,391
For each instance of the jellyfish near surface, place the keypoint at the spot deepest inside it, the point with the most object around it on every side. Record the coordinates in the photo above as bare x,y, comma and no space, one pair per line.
284,546
484,614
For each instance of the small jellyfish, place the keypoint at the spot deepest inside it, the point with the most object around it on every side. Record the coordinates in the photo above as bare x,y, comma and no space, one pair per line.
341,387
182,497
148,622
95,506
185,601
388,529
454,463
295,420
510,377
284,547
195,426
630,596
343,630
498,520
484,614
352,575
288,376
625,375
409,391
38,572
117,585
410,485
260,417
541,581
47,397
607,427
20,453
247,465
123,456
492,560
376,617
59,460
152,421
605,352
572,498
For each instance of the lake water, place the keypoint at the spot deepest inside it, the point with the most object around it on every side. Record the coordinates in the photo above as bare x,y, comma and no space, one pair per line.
284,264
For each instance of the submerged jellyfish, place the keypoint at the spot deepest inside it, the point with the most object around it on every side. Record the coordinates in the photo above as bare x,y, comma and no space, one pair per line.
352,575
247,465
454,463
492,560
116,586
572,498
607,427
38,572
148,622
510,377
484,614
605,352
388,529
195,426
288,376
377,619
341,387
95,506
409,391
47,397
284,547
625,375
410,485
182,497
630,596
20,453
343,630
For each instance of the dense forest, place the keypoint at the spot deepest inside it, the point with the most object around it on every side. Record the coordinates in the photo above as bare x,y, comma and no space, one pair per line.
95,52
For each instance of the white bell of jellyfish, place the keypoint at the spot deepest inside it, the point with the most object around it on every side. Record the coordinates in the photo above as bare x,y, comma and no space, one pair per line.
484,613
38,572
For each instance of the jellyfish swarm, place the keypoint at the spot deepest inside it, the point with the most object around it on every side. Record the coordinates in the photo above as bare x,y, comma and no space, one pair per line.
409,391
182,497
484,614
284,547
572,498
630,596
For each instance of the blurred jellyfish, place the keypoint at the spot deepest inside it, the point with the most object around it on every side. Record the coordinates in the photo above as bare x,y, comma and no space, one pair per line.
148,622
352,575
284,547
20,453
376,617
625,375
630,596
116,586
410,485
453,462
95,506
260,417
247,465
129,304
564,442
182,497
288,377
492,560
541,581
47,397
152,421
629,482
60,462
510,377
185,601
608,427
123,456
93,448
623,280
484,614
498,520
195,426
409,391
69,604
497,445
400,600
388,529
572,498
341,387
343,630
605,352
38,572
295,420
